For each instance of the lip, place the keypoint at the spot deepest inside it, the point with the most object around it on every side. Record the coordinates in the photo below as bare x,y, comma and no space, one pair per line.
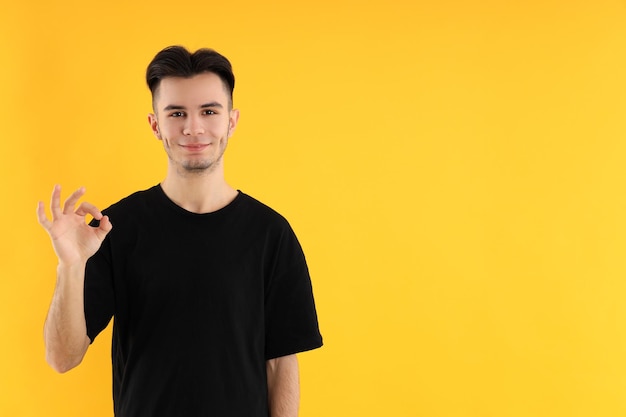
196,147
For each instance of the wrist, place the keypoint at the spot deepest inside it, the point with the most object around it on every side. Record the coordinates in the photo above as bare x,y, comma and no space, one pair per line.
68,267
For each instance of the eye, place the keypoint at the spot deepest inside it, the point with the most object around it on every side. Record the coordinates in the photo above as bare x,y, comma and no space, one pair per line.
208,111
177,114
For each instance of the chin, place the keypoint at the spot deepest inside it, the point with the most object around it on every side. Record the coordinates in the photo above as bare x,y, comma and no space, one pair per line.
198,166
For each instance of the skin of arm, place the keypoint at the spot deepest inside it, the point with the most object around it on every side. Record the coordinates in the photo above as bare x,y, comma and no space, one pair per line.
65,329
74,242
283,385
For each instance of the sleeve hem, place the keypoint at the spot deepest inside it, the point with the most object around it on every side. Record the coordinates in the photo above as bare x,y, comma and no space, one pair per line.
291,351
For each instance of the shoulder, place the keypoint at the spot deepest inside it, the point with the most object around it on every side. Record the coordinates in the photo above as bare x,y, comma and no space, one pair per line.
262,220
133,205
260,212
133,200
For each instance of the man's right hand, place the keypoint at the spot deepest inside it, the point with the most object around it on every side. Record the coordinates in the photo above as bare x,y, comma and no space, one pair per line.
74,241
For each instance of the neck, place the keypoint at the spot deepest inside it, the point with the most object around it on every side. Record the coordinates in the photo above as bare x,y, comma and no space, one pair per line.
202,192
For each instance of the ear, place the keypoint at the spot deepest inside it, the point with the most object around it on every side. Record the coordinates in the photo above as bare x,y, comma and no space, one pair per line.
232,121
154,125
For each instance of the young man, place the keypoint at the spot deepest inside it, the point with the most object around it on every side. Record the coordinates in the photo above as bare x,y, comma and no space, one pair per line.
209,288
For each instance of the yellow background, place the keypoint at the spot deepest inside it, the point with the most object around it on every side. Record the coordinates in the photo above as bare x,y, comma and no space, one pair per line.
455,171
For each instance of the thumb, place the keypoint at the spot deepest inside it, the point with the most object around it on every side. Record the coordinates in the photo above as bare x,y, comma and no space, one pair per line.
104,228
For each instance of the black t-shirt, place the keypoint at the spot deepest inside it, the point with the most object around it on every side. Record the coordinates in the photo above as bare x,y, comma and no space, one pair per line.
200,302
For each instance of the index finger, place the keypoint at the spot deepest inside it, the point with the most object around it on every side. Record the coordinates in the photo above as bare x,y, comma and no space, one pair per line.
88,208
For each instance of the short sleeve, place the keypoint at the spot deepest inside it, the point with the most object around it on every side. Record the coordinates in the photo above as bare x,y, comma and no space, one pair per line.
291,323
99,294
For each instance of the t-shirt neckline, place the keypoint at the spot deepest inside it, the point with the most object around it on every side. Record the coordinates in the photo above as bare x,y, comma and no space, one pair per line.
172,205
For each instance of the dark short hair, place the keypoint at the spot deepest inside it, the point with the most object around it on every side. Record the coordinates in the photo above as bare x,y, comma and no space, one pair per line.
177,61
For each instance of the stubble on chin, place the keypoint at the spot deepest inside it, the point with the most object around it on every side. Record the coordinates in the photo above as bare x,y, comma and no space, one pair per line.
195,168
203,167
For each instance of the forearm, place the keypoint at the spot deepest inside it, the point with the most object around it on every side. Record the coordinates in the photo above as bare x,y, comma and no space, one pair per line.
65,329
283,386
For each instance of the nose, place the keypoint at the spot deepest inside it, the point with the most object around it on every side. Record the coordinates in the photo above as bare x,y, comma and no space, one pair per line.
193,126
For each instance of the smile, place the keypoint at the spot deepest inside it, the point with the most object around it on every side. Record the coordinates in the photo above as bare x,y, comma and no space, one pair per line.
196,147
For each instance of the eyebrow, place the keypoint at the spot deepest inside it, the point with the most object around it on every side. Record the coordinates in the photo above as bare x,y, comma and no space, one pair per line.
203,106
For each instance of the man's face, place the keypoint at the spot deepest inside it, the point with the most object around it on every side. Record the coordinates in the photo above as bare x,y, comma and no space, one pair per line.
193,119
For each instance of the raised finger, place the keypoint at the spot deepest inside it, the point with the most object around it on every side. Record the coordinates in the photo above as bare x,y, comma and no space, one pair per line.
41,216
55,202
71,201
88,208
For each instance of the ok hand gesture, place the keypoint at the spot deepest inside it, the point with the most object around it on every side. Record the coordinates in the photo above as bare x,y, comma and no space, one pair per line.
74,241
